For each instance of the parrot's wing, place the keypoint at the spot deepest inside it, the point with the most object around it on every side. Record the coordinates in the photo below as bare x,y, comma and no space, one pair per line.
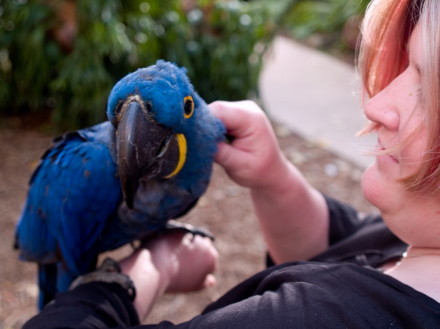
72,193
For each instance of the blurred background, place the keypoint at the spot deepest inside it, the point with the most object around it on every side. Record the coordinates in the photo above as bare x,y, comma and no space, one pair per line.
60,58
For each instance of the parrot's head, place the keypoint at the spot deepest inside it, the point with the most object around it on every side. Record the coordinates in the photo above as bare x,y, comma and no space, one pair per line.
156,113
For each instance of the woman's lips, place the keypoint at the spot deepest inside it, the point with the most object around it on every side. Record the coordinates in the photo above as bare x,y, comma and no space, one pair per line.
389,156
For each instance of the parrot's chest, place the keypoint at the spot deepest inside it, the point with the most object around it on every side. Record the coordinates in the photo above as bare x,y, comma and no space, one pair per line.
155,202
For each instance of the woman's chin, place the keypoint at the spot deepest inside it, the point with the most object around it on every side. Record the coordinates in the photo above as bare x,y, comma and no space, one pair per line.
376,188
367,185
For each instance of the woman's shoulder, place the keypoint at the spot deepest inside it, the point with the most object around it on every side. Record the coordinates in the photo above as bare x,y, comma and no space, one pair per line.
363,290
339,294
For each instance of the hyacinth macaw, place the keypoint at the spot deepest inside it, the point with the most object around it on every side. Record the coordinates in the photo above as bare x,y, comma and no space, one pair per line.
101,187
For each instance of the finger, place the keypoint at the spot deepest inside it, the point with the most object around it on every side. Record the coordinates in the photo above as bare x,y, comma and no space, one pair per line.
236,116
210,281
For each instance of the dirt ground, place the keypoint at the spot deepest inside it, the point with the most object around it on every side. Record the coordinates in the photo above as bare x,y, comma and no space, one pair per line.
225,210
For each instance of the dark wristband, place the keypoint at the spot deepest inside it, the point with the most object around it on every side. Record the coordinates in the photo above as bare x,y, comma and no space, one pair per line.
109,272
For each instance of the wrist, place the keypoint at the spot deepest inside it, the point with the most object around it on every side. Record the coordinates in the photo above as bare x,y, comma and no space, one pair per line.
110,272
150,279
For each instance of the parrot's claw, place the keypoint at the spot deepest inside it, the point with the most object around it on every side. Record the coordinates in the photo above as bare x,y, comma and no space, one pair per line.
176,226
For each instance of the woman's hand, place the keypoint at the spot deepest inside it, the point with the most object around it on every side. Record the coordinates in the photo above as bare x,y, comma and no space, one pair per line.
173,262
253,159
293,216
187,260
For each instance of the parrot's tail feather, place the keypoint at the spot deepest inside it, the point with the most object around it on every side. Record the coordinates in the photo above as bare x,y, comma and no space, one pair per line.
47,282
65,277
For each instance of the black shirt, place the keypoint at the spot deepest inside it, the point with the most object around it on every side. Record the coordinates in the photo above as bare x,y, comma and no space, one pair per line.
340,288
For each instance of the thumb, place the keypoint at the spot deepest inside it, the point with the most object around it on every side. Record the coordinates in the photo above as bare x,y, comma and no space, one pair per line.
223,153
230,157
210,281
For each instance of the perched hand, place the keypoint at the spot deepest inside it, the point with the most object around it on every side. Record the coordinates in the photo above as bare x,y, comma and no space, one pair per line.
173,262
188,261
253,159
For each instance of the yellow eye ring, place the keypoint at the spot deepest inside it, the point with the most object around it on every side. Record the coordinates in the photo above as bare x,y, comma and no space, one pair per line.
188,107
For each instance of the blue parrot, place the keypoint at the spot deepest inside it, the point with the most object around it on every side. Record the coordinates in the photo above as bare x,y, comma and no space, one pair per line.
99,188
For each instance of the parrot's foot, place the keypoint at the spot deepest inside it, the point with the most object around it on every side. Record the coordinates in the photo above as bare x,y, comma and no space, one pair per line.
176,226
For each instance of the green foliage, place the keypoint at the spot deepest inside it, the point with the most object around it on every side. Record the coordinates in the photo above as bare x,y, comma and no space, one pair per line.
220,43
325,18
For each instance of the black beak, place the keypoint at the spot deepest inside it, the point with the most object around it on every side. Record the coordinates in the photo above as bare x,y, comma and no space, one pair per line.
146,149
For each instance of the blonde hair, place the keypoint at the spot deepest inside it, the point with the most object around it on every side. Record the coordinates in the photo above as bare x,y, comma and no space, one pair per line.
384,55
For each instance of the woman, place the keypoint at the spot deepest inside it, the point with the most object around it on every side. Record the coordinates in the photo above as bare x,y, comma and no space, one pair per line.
358,277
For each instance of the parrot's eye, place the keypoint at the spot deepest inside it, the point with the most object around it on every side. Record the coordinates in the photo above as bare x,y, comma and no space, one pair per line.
118,108
188,106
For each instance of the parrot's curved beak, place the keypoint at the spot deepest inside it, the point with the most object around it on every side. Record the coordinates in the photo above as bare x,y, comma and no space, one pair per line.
146,150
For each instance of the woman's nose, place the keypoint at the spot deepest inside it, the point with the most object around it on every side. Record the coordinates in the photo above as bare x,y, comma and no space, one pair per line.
380,110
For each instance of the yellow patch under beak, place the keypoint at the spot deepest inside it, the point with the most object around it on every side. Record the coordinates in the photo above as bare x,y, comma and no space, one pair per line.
181,140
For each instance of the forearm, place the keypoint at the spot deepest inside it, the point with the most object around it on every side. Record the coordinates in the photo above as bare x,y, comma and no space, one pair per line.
91,305
148,276
171,263
293,217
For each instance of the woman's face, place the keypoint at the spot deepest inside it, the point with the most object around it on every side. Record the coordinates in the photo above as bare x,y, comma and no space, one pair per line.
398,111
